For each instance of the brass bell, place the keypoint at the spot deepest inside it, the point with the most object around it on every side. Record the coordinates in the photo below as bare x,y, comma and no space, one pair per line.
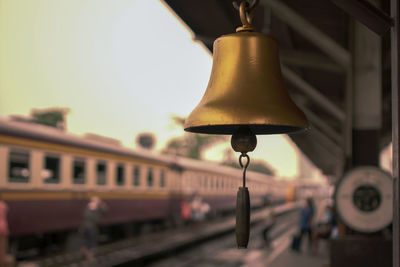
245,97
246,88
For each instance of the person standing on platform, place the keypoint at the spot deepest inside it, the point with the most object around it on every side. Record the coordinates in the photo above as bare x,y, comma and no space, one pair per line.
3,232
199,210
305,224
195,207
89,228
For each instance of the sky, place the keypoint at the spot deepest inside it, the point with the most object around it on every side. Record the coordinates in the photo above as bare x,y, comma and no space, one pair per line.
122,68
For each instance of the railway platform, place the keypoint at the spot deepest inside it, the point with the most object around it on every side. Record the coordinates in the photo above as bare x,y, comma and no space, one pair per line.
290,258
223,252
281,255
143,250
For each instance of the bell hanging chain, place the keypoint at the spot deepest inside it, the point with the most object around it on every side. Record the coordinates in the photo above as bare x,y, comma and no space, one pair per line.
246,14
250,5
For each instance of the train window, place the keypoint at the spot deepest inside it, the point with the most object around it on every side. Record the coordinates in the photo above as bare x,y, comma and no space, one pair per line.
162,178
217,183
51,172
150,178
78,171
120,179
136,176
18,168
101,173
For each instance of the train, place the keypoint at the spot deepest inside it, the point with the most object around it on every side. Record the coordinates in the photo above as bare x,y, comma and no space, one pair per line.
47,177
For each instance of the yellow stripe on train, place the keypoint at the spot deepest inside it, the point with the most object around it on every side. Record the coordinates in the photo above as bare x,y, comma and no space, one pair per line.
81,195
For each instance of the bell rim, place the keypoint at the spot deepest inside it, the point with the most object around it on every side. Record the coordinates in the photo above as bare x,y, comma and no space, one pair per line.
257,129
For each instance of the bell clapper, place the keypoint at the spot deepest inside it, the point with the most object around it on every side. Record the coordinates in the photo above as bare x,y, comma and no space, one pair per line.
243,141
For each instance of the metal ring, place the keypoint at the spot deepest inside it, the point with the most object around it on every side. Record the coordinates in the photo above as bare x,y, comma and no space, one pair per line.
240,160
245,16
250,4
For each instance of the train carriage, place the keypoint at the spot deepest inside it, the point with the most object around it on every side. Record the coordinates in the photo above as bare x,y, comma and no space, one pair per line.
47,177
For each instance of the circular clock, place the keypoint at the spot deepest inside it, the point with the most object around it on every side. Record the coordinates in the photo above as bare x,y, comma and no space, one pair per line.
363,199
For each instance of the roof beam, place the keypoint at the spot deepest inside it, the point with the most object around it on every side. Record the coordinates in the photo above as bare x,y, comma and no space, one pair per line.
313,93
309,59
369,15
321,124
327,143
309,31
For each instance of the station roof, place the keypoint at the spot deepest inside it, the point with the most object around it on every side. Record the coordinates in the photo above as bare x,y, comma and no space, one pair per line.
315,49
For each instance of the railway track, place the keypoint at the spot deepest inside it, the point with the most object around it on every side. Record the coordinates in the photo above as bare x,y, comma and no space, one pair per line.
222,252
147,249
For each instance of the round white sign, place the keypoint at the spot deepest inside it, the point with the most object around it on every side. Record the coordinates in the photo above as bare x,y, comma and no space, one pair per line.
364,199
